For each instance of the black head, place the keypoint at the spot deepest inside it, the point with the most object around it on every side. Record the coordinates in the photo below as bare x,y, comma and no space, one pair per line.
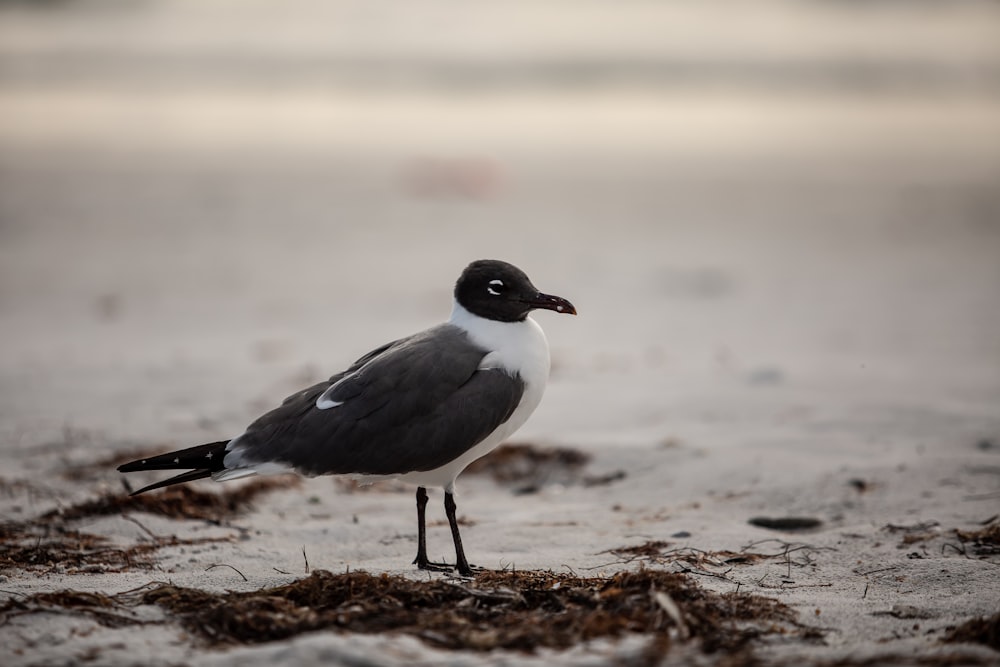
500,291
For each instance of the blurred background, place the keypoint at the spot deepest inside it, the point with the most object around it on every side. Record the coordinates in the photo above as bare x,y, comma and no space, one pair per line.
768,214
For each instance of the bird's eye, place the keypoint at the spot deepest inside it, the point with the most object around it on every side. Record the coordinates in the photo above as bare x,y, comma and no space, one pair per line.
496,287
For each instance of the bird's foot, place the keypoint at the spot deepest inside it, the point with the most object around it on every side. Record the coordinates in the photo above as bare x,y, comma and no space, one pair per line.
467,570
424,564
462,569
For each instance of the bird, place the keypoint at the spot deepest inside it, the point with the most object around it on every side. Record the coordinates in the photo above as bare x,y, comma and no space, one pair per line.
419,409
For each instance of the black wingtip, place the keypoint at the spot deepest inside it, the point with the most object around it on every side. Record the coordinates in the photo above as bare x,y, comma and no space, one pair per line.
208,457
188,476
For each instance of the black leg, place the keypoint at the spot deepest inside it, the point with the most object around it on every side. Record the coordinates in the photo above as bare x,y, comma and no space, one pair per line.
421,560
461,564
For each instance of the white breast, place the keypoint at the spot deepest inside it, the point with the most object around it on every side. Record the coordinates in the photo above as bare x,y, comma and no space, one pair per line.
516,347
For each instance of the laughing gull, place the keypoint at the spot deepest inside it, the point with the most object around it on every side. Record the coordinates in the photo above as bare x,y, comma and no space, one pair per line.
419,409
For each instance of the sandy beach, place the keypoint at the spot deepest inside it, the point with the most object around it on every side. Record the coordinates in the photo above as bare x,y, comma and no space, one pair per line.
783,385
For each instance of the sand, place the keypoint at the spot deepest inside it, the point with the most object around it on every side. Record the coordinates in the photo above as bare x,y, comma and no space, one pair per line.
788,308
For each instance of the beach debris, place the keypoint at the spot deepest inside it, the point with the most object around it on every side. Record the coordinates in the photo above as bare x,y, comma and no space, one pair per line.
526,468
22,548
41,548
980,630
859,484
986,444
715,563
177,502
913,533
519,611
984,541
906,611
50,543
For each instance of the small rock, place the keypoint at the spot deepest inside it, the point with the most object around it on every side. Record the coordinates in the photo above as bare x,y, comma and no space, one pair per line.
766,376
786,523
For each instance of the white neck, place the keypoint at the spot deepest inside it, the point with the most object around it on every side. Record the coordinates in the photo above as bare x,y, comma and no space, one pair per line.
517,347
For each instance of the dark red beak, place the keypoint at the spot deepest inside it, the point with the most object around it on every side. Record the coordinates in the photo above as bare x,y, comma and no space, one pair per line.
549,302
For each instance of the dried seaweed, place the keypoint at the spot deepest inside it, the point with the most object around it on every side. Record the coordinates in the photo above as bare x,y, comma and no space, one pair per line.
106,610
517,611
916,533
520,611
47,543
984,542
527,468
651,549
71,551
30,546
522,468
176,502
908,660
711,562
977,631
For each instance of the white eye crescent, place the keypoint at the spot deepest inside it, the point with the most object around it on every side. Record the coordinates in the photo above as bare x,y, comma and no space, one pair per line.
496,287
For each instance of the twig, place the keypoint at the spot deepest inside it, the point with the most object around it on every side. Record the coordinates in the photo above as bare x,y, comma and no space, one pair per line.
983,496
706,573
24,595
305,558
230,567
958,550
882,569
604,565
154,536
131,597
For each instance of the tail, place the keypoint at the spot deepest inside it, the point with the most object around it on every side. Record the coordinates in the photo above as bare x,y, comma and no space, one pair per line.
200,462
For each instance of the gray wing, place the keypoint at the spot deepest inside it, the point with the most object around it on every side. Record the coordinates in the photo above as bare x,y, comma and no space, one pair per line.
292,407
412,405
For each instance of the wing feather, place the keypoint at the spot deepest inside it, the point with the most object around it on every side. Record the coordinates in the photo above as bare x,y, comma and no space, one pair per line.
411,405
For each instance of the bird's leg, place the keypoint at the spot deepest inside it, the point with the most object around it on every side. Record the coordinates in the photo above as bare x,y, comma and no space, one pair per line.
461,564
421,559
